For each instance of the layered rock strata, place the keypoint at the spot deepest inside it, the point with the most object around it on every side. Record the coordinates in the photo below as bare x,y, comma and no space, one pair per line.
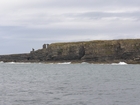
101,51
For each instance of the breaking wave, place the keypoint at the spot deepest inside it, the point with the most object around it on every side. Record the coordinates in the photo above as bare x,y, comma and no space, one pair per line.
120,63
1,62
18,63
65,63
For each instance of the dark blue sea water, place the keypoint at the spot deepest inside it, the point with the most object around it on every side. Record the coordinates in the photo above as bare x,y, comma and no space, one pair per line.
69,84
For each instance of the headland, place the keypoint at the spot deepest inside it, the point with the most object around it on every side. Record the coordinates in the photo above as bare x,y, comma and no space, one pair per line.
98,51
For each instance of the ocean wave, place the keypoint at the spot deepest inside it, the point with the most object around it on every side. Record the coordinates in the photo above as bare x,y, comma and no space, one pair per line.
65,63
84,63
18,63
1,62
120,63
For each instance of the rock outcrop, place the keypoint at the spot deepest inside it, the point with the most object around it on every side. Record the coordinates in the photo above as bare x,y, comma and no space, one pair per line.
102,51
65,51
15,58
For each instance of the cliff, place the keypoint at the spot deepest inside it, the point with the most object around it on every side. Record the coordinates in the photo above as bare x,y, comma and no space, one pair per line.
15,58
101,51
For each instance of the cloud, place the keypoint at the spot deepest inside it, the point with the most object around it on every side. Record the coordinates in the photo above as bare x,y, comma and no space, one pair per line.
31,23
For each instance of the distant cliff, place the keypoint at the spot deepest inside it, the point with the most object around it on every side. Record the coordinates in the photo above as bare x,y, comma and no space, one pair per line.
100,51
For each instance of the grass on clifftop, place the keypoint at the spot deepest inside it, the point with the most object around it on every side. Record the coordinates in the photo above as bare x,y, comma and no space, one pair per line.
97,42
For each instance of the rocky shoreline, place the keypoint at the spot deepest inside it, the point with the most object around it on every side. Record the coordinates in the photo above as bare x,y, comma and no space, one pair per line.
99,51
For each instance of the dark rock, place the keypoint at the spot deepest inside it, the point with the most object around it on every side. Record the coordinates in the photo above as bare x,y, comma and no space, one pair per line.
92,51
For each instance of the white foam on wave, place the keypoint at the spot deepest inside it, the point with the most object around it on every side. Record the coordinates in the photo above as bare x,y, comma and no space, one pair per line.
1,62
18,63
120,63
84,63
65,63
11,62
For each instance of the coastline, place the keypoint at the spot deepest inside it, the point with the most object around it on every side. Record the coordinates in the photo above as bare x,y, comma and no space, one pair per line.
96,52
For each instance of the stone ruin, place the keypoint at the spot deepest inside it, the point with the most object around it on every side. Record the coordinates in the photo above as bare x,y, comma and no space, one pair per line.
45,46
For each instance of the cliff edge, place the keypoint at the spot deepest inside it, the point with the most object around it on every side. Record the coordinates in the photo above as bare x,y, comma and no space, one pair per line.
100,51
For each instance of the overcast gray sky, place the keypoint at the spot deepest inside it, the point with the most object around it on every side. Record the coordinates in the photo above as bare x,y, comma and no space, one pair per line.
27,24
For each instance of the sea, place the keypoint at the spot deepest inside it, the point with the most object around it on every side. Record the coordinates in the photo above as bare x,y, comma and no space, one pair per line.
69,84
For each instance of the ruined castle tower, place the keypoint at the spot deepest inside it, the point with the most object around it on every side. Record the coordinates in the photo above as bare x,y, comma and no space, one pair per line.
44,46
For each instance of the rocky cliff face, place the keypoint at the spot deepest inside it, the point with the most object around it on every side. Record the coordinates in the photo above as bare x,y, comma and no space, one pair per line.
101,50
65,51
112,50
15,58
91,51
96,51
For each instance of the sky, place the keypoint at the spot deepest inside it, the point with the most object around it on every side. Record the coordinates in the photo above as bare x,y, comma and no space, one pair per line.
27,24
